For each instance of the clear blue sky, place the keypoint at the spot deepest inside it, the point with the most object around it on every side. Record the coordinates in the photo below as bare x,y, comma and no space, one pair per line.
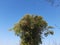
11,11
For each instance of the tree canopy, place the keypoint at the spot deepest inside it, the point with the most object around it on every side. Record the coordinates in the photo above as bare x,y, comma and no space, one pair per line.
30,29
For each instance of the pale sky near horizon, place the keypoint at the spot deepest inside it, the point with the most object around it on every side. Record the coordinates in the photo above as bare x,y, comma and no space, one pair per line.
11,11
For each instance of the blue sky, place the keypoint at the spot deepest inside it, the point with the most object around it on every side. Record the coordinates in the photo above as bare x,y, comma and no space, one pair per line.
11,11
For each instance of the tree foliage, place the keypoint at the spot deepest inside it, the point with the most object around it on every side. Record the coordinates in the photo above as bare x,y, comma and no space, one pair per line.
30,29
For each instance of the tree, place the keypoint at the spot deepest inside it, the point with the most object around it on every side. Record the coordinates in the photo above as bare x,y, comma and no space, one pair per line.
30,29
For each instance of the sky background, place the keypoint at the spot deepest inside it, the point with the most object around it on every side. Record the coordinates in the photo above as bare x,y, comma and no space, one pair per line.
11,11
